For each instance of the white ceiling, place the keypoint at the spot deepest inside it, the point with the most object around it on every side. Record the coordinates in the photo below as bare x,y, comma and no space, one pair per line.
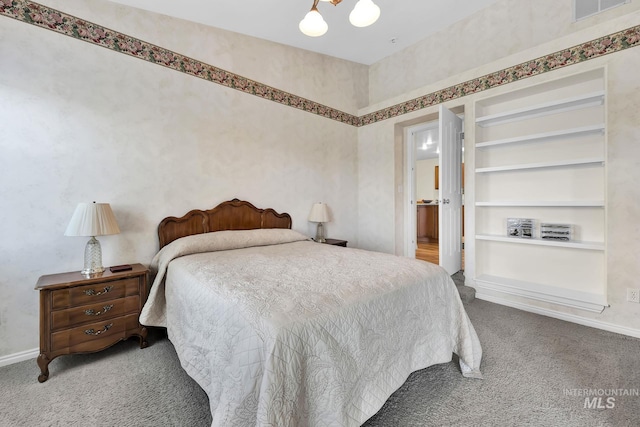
405,21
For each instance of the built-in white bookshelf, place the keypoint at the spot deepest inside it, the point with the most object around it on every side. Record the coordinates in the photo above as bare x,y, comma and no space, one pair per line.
541,165
540,154
594,246
546,108
573,298
583,130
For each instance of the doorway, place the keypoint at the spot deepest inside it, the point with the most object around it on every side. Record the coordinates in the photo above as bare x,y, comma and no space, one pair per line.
434,183
426,142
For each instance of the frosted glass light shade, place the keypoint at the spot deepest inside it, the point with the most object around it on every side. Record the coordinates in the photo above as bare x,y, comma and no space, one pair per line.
365,13
92,219
313,25
319,213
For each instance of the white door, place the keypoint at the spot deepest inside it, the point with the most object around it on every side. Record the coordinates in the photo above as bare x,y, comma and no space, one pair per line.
450,206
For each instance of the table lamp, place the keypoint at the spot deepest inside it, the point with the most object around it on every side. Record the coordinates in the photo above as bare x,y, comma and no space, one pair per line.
319,213
92,219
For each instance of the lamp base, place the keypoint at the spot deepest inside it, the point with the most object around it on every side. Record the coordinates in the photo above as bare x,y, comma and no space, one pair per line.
320,234
92,258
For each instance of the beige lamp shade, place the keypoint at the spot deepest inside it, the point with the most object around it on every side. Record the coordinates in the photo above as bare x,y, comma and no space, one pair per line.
92,219
319,213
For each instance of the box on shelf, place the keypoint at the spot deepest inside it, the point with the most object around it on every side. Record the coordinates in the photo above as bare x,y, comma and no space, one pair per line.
523,228
561,232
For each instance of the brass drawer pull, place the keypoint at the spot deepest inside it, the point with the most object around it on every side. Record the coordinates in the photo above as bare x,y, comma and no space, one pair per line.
91,292
104,310
102,331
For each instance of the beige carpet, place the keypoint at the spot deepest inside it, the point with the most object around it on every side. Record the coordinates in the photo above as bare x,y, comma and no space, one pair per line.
530,365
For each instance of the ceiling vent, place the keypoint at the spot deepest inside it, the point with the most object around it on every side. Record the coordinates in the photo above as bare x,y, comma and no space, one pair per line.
585,8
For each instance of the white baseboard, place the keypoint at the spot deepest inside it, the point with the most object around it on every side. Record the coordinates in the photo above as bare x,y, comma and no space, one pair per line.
624,330
19,357
594,303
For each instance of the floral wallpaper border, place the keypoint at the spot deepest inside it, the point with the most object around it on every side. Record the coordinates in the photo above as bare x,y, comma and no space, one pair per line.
51,19
574,55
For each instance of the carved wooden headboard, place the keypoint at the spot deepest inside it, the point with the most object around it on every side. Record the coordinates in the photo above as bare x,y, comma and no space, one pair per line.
232,215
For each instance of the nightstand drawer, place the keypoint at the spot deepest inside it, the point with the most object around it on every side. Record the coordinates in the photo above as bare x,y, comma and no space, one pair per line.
95,312
94,336
93,293
84,314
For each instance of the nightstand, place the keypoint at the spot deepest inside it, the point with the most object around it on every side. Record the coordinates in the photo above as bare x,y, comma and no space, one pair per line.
80,314
336,242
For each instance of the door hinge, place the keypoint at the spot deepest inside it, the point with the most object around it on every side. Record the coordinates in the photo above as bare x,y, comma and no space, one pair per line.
462,135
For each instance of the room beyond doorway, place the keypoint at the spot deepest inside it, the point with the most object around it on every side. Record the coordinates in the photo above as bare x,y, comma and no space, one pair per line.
434,201
429,251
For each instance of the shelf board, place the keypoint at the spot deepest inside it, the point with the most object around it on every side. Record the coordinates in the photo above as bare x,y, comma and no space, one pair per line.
540,165
550,204
595,246
594,302
552,107
583,130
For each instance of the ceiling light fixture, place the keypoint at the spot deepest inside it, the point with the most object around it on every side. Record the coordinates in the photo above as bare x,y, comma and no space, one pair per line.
365,13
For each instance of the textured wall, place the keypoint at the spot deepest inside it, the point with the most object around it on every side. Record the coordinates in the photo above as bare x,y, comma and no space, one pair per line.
623,191
505,28
83,123
330,81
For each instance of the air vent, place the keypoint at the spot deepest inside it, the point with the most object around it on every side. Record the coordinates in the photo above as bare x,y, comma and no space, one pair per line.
585,8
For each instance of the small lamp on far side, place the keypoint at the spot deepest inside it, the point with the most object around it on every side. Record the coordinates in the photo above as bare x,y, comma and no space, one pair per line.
319,213
92,219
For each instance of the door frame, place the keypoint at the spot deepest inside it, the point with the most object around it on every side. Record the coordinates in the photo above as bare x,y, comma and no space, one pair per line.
408,180
409,202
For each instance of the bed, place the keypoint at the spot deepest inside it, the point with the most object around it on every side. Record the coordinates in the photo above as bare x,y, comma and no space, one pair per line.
282,331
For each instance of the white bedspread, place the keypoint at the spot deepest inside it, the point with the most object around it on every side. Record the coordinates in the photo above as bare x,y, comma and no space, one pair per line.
297,333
